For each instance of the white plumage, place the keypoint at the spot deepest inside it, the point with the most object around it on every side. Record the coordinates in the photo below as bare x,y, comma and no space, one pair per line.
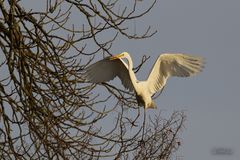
167,65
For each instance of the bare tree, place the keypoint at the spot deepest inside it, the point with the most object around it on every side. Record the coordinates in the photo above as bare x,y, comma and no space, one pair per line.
47,111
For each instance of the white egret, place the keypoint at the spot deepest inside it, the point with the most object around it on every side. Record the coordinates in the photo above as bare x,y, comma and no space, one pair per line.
167,65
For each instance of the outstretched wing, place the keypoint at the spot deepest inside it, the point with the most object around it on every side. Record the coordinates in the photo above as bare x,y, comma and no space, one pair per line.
106,70
167,65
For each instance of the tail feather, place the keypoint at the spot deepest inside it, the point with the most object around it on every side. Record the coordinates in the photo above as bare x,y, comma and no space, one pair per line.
152,105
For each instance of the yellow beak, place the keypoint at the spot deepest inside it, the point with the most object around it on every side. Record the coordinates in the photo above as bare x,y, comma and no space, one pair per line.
117,56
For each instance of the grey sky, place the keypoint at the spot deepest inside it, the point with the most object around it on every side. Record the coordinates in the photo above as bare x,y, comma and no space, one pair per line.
210,28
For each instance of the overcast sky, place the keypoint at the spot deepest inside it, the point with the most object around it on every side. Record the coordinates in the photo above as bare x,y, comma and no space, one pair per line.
209,28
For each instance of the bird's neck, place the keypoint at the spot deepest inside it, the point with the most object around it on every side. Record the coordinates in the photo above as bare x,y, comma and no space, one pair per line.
132,74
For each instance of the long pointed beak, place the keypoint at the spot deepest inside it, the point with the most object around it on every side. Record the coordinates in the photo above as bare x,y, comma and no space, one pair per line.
116,56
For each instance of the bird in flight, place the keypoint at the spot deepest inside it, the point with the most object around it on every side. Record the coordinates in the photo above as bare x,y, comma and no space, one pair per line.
167,65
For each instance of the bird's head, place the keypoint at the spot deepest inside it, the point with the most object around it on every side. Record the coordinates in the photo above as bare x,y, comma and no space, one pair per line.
118,56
